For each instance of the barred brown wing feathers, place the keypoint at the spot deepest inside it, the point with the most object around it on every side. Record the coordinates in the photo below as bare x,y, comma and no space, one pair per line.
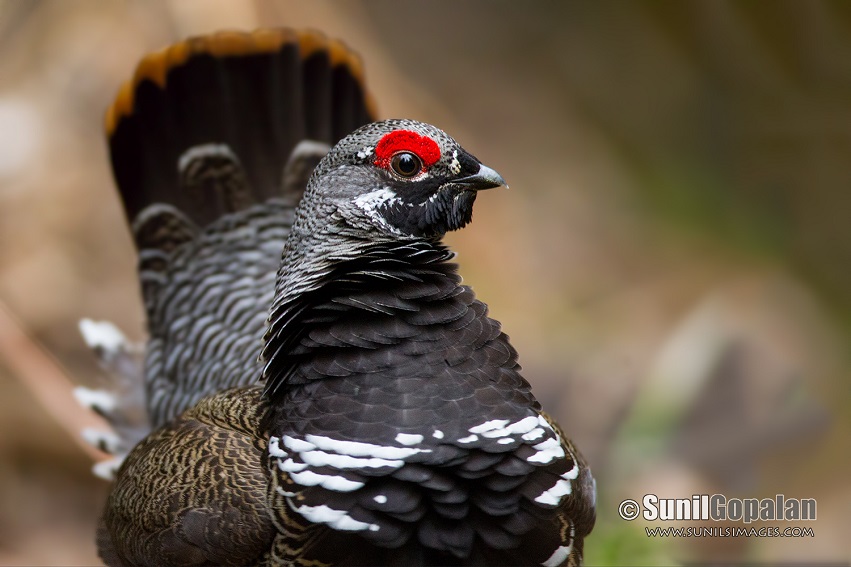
194,492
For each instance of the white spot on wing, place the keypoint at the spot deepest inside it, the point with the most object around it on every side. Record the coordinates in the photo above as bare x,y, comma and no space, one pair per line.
547,451
572,473
469,439
558,556
335,483
438,434
290,466
498,427
342,462
337,519
563,487
408,439
489,425
381,499
534,434
359,449
552,496
275,448
298,445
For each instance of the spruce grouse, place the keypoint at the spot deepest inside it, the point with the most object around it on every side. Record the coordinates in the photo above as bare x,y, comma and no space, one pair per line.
383,418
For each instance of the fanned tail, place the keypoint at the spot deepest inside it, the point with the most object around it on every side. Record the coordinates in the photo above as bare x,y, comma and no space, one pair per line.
212,142
208,124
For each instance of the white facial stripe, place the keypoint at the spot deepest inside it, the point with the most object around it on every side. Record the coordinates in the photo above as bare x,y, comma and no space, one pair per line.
454,164
370,203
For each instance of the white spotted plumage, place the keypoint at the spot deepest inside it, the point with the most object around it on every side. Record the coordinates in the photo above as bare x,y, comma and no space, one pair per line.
331,482
409,439
559,555
454,164
547,451
532,435
371,202
500,428
337,519
360,449
102,335
100,400
365,152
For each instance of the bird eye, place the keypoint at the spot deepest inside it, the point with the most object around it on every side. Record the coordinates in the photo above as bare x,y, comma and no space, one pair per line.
406,164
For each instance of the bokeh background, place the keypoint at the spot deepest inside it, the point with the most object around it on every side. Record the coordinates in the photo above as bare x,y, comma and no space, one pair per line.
672,261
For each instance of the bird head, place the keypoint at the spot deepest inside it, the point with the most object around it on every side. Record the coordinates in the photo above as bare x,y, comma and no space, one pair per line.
401,179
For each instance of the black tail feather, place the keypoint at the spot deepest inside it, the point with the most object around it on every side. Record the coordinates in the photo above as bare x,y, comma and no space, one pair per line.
256,94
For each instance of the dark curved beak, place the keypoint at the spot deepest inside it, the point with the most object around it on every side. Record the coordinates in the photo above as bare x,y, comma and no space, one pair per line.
485,178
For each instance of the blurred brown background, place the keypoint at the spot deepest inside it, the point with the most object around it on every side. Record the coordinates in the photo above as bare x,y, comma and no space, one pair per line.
672,261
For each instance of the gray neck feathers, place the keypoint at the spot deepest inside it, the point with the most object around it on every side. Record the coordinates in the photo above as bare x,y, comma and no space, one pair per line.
331,261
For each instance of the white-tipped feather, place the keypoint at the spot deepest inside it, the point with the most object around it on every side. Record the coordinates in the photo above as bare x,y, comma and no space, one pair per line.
107,469
102,335
100,401
105,440
121,402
